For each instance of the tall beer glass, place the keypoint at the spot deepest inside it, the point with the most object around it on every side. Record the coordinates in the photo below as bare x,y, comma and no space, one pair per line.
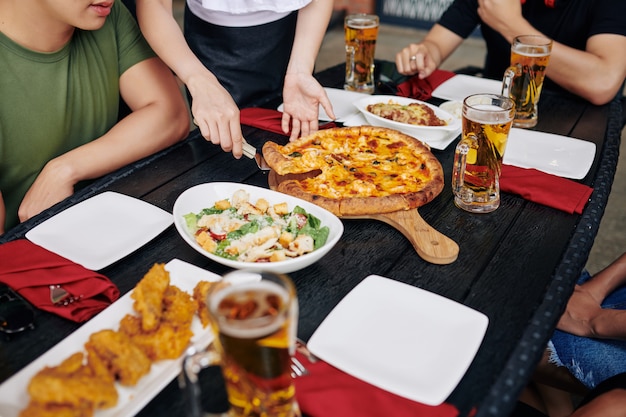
361,31
487,120
254,319
523,80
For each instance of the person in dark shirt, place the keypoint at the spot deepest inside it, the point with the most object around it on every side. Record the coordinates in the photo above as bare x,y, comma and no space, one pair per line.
587,55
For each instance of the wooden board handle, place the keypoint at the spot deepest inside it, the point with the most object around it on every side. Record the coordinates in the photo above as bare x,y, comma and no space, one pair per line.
430,244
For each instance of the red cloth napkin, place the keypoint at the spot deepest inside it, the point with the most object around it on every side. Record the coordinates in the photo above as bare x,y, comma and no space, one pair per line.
422,89
268,119
549,190
30,270
329,392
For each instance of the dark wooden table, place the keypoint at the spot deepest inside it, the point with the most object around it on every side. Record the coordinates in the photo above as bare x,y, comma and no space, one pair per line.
517,265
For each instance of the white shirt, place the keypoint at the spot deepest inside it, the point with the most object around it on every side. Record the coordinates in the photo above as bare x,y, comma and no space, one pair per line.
241,13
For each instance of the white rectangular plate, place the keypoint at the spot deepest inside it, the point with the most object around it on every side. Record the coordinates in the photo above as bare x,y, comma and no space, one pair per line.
401,338
342,102
14,396
461,86
101,230
554,154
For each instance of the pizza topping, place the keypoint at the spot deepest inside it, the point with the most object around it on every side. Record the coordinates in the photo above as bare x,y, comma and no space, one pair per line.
414,114
357,170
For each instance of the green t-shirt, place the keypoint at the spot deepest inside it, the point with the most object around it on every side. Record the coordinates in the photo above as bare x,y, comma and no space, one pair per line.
51,103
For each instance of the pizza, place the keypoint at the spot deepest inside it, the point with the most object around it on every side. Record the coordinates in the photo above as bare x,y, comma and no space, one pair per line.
353,171
413,114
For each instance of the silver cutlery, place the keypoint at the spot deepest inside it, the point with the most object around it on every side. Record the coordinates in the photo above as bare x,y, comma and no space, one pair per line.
60,297
251,152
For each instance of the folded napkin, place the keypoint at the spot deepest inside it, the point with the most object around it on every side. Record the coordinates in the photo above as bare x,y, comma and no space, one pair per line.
30,270
549,190
328,392
268,119
422,89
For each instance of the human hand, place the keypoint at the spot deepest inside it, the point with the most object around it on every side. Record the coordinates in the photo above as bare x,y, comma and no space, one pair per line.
302,95
580,312
216,115
51,186
417,58
501,16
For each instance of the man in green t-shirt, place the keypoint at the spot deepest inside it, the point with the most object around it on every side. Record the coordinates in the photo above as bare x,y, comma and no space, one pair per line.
64,65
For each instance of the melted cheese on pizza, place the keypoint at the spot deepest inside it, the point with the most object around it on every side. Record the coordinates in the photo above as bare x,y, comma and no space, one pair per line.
413,114
370,166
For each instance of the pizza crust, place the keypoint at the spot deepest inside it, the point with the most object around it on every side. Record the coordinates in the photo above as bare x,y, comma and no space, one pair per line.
395,171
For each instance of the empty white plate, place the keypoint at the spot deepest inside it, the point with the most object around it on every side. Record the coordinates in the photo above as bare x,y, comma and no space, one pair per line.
461,86
400,338
554,154
101,230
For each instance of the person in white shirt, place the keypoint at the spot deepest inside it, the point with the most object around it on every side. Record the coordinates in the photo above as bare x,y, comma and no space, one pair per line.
241,53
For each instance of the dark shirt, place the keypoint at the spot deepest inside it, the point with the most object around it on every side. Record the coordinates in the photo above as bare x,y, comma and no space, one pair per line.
571,23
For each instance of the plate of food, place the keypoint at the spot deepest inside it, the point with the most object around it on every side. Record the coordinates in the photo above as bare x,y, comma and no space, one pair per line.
121,223
122,399
411,342
247,227
416,118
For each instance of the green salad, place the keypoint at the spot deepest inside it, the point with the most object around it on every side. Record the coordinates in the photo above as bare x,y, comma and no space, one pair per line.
240,230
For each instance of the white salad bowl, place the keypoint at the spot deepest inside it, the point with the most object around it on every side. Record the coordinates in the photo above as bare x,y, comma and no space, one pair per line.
423,133
204,196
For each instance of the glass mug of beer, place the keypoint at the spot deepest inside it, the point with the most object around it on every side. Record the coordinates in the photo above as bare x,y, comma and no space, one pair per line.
486,120
523,79
361,31
254,317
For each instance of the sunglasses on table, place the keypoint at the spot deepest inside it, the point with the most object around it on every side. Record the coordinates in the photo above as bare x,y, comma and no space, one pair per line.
16,314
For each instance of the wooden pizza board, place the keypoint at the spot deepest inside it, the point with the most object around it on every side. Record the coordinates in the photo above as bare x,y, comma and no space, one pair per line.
430,244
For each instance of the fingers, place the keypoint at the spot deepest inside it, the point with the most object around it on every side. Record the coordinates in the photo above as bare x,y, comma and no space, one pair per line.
412,59
226,134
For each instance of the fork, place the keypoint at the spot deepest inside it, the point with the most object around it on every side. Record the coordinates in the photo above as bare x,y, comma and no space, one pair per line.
251,152
297,368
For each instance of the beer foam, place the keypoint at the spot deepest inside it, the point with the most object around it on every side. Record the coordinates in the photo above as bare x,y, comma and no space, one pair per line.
256,326
493,114
362,23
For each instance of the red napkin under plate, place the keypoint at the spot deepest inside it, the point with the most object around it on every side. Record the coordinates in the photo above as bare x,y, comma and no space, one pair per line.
329,392
547,189
422,89
268,119
30,270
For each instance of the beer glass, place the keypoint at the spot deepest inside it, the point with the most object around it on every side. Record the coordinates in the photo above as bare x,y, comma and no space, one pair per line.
486,120
523,79
254,319
361,31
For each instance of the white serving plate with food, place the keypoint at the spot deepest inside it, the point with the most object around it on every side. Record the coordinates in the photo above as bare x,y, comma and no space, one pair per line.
101,230
462,85
360,120
13,392
426,134
553,154
205,195
400,338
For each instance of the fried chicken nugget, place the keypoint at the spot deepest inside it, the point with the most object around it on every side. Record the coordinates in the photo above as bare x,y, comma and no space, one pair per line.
71,385
125,360
179,307
200,294
53,410
148,295
166,342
